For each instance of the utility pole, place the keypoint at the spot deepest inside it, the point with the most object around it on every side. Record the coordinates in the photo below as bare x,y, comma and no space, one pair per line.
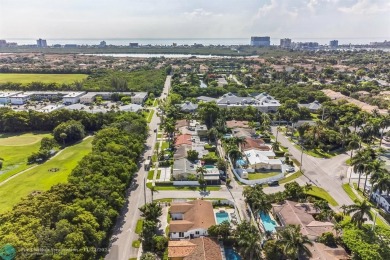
145,189
300,167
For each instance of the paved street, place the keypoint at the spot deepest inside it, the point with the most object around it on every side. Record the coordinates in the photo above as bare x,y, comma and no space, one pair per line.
124,234
324,173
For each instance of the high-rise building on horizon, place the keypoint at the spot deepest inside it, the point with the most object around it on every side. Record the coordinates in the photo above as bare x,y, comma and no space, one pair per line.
334,44
262,41
285,43
41,43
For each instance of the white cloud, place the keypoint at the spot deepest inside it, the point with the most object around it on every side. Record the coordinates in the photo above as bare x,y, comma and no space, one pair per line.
367,7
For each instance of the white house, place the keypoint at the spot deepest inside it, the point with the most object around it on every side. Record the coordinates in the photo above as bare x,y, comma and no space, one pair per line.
383,200
191,219
5,97
19,99
139,97
262,160
72,98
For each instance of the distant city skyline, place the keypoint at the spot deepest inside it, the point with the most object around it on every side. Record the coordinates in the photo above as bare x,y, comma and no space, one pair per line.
310,19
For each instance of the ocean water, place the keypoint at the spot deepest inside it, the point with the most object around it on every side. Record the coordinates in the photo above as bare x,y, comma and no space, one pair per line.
188,41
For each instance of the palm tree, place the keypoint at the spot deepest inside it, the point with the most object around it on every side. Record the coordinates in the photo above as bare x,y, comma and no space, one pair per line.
385,122
372,167
293,242
151,211
63,136
344,130
201,171
234,155
248,239
361,160
359,210
381,181
354,143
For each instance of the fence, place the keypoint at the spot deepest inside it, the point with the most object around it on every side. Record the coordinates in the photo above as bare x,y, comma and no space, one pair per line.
186,183
259,181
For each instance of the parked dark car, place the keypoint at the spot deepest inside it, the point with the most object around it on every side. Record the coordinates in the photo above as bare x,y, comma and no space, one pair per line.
273,183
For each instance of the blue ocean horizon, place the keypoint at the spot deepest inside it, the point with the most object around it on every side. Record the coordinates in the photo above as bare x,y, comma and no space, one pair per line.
187,41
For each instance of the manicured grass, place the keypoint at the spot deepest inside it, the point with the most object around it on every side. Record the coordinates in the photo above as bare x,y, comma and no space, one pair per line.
159,135
44,78
323,194
150,115
291,177
40,178
150,174
349,191
164,145
138,228
155,102
136,243
259,175
15,148
317,152
156,146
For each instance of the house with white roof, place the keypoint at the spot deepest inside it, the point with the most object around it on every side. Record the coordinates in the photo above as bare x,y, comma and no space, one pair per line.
313,107
139,97
263,102
5,97
262,160
72,97
19,99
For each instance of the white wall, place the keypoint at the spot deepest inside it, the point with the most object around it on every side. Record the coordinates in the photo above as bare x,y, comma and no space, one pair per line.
187,235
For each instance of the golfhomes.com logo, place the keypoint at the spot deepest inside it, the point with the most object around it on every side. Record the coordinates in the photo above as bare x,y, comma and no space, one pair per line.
7,252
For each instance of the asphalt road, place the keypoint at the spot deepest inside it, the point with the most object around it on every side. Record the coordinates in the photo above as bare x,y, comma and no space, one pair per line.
124,231
328,174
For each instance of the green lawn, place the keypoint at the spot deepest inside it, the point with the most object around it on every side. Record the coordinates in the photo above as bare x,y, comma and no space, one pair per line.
291,177
150,115
15,148
136,243
323,194
259,175
150,174
348,189
164,145
40,178
138,228
45,78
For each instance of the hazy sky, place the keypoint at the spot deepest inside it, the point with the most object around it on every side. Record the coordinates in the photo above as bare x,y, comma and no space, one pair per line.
194,18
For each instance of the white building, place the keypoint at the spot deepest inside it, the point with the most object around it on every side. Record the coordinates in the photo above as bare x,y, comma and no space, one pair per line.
262,102
383,200
262,160
19,99
72,98
139,97
191,219
5,97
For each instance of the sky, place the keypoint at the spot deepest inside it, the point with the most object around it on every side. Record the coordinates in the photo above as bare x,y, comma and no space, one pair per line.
194,18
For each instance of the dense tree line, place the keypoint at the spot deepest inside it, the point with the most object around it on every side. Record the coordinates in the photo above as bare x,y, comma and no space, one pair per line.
73,220
22,121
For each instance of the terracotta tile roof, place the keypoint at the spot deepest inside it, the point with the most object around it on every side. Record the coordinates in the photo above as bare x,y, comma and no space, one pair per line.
251,143
235,123
322,252
181,123
202,248
196,214
183,139
294,213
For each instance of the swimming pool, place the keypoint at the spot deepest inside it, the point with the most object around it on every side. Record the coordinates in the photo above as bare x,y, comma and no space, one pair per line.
231,254
209,166
221,217
241,162
268,223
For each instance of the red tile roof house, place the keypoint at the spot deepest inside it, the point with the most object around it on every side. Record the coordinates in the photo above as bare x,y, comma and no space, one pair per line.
257,144
183,139
191,219
294,213
202,248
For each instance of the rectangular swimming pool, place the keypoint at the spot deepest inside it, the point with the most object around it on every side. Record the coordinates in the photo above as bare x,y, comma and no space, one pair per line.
221,217
231,254
268,223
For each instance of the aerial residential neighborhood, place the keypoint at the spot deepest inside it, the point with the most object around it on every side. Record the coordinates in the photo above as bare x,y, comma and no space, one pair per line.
194,130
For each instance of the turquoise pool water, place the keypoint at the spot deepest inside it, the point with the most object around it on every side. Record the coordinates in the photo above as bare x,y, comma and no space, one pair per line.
231,254
221,217
209,166
268,223
241,162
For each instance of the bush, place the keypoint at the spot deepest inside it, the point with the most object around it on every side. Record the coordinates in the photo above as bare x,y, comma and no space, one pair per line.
69,132
328,239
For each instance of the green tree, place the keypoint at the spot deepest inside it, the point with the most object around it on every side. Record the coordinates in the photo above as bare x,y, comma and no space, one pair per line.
74,131
151,211
248,239
208,112
222,230
360,210
292,242
192,155
272,251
